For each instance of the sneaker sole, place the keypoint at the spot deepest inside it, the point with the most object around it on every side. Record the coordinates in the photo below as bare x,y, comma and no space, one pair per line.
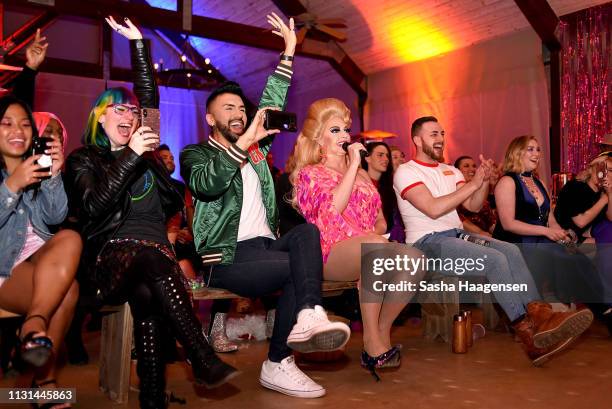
229,377
291,392
571,327
539,361
329,339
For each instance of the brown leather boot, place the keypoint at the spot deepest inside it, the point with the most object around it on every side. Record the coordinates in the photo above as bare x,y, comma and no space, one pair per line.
552,328
524,331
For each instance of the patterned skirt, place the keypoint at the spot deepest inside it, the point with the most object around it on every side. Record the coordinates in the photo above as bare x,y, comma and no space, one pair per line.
115,259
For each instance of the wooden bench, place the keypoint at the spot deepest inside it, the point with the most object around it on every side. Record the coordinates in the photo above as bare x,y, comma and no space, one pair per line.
117,331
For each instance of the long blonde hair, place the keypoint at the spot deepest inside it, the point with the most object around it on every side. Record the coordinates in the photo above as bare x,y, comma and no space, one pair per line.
512,159
307,150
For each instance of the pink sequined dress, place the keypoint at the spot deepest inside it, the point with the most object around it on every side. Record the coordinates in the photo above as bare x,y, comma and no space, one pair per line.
314,187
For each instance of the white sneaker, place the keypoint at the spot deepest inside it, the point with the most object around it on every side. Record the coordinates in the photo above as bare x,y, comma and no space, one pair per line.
314,332
285,377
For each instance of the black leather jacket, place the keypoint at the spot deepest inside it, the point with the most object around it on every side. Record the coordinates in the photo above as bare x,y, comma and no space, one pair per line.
98,184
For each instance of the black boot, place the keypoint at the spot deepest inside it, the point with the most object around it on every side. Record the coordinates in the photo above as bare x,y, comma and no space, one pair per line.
208,369
151,366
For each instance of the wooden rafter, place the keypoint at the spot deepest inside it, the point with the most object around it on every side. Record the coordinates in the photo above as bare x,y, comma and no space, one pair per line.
543,20
206,27
545,23
341,61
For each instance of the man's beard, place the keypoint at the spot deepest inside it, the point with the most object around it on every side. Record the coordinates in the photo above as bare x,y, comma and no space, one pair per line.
429,151
227,133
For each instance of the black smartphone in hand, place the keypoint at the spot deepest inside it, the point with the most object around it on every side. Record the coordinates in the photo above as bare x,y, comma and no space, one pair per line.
285,121
39,146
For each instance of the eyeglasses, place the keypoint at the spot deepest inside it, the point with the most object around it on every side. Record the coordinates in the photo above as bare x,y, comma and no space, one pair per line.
121,109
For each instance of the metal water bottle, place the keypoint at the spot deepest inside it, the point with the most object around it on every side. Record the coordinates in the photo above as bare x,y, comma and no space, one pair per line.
460,342
467,315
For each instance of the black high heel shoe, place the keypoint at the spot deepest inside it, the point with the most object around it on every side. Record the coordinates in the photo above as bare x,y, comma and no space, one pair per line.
35,350
389,359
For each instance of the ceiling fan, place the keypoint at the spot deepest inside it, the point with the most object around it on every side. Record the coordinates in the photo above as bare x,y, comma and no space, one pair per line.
326,27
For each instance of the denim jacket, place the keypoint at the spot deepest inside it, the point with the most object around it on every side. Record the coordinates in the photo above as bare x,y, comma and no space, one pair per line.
48,208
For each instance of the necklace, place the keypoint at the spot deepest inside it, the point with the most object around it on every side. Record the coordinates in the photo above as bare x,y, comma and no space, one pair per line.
527,179
529,182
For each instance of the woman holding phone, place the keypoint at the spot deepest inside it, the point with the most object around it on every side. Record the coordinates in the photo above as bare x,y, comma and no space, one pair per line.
123,196
37,268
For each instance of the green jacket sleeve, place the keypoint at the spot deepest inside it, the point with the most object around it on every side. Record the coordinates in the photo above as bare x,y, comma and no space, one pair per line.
209,173
275,95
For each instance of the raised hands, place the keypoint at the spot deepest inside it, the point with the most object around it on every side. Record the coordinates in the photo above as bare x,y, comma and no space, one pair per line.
36,51
282,30
131,32
484,171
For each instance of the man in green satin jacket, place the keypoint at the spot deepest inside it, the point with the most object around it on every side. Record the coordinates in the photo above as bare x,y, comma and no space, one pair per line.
235,227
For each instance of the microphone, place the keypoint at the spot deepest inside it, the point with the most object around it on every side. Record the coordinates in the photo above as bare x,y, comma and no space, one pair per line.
363,153
475,240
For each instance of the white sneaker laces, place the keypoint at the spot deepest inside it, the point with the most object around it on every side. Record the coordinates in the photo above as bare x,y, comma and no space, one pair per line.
290,369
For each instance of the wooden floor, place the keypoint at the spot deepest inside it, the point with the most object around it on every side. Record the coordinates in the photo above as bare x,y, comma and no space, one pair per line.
494,374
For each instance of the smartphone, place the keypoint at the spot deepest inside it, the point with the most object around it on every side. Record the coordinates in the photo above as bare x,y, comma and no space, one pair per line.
150,117
602,172
39,145
285,121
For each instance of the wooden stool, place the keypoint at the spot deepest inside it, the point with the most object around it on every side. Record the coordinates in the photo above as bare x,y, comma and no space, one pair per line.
115,352
441,325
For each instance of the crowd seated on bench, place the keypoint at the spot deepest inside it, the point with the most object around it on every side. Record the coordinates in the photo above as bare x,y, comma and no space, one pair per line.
148,245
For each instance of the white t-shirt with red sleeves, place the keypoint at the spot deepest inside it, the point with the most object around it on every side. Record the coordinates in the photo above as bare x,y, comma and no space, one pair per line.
441,180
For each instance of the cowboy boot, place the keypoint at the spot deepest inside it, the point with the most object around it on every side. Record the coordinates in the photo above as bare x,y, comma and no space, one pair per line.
218,337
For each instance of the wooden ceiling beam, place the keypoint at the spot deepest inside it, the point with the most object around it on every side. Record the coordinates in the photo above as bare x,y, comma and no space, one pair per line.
339,59
546,24
206,27
157,18
290,8
543,20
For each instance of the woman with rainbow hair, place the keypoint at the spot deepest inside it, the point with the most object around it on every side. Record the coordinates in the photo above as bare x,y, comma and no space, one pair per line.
123,195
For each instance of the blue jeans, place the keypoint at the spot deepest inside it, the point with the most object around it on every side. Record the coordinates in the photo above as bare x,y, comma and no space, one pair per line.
504,264
262,266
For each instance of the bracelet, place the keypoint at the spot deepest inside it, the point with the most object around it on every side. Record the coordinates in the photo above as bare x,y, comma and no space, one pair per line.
286,57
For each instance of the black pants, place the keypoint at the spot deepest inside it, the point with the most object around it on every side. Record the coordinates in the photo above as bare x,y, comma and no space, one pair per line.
151,282
262,266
